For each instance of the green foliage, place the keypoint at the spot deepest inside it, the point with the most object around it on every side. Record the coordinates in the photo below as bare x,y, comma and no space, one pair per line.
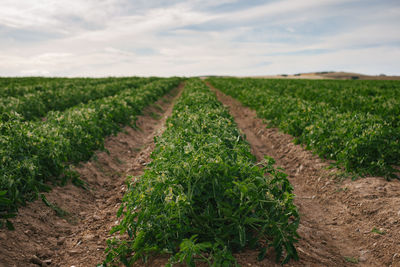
351,259
34,153
59,211
377,231
60,95
189,249
17,86
4,216
355,123
202,197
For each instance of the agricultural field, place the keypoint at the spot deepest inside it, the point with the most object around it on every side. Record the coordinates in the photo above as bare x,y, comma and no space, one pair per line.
355,123
216,172
203,193
35,101
36,152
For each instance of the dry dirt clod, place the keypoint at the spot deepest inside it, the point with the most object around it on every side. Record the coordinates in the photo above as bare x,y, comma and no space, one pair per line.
96,217
73,252
3,236
363,256
35,260
48,262
60,241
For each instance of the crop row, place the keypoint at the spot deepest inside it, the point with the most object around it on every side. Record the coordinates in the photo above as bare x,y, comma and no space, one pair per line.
381,98
60,96
33,153
27,85
13,86
361,142
202,197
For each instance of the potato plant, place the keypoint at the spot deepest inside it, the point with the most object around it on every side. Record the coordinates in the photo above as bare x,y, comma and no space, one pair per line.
65,94
34,153
380,98
203,197
16,86
366,143
19,86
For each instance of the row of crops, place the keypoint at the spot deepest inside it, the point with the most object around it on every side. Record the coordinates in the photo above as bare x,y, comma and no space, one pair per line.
355,123
24,85
380,98
203,197
37,100
35,153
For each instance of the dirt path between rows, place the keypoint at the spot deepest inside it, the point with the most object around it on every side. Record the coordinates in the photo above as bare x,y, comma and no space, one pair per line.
79,239
343,222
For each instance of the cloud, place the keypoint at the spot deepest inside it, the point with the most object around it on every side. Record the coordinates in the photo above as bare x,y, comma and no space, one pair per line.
278,9
121,37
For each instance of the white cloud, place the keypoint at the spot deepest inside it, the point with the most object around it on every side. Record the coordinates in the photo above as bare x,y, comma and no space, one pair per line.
279,8
121,37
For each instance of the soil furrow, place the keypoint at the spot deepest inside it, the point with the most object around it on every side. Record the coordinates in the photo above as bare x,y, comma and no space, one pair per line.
79,238
337,215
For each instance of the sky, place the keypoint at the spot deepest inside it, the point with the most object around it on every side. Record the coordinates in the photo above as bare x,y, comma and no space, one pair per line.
198,37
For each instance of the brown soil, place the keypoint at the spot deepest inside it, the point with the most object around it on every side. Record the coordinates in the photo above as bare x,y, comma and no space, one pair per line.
337,214
79,239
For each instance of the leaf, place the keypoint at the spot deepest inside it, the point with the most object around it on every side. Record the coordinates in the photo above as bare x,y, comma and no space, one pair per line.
10,226
262,253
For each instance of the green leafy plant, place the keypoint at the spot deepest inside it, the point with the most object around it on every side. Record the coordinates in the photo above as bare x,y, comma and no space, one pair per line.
203,197
377,231
351,259
4,216
60,95
355,123
35,154
59,211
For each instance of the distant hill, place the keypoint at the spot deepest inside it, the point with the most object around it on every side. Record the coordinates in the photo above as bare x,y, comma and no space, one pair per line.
355,76
331,75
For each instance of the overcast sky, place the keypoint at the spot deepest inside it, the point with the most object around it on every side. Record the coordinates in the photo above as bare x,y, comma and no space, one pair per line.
198,37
